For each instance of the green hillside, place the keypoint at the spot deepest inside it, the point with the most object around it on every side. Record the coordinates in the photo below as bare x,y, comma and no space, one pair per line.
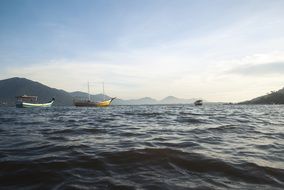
271,98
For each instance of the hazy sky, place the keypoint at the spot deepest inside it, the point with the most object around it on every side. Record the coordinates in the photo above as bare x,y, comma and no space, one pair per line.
218,50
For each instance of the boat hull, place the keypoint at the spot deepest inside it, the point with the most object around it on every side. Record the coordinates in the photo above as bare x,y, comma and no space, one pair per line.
87,103
198,103
32,105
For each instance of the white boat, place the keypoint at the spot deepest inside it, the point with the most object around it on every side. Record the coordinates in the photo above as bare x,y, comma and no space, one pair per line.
31,101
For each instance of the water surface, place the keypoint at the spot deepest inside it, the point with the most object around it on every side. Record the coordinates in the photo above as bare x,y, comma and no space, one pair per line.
142,147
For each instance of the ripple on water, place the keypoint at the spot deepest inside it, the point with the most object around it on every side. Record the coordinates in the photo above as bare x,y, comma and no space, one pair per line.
142,147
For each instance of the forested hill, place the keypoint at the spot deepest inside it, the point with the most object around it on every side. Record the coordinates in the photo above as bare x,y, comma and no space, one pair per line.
12,87
276,97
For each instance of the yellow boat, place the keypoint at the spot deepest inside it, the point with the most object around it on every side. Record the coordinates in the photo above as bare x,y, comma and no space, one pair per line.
105,103
89,103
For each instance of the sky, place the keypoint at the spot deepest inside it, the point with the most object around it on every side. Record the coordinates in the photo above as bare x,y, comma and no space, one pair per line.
217,50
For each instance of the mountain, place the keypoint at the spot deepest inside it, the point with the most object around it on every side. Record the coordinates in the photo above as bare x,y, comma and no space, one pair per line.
141,101
271,98
175,100
151,101
10,88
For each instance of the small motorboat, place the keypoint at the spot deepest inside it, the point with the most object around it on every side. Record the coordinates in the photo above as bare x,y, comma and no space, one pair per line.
31,101
198,103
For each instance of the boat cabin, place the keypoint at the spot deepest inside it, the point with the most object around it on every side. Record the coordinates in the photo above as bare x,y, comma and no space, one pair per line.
27,99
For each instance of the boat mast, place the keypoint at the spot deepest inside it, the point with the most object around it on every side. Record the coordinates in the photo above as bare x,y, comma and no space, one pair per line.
89,91
103,90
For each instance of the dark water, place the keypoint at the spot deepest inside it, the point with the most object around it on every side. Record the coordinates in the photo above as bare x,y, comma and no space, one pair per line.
142,147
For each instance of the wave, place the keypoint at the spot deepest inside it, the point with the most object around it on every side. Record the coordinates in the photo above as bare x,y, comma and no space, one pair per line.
248,172
189,120
148,161
132,147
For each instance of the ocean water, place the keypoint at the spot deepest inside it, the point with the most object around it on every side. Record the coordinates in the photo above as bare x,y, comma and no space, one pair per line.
143,147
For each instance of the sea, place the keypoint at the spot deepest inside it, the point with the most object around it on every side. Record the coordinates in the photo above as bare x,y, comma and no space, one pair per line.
143,147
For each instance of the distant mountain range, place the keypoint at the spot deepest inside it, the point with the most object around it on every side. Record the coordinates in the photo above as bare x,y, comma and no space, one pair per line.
274,97
150,101
10,88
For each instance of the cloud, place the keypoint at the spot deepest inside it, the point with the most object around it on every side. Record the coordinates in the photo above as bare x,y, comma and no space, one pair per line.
210,65
122,80
158,74
275,68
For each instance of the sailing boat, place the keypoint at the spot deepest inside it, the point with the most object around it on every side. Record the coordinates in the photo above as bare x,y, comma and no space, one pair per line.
89,103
